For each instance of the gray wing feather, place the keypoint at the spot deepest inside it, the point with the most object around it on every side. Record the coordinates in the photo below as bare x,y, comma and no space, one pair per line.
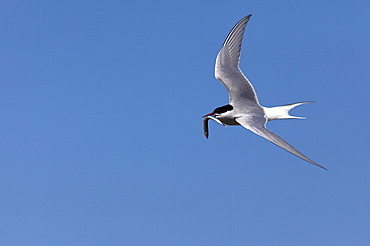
257,125
227,69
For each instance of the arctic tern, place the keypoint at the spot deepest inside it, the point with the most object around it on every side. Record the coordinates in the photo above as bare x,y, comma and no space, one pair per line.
244,108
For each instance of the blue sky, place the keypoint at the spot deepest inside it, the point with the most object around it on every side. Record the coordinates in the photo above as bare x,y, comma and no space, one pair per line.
101,128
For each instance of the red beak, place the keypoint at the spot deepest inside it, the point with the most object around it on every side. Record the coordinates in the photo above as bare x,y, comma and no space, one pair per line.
208,114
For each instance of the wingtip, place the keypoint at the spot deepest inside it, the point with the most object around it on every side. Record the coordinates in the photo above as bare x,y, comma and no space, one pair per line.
318,165
322,167
247,17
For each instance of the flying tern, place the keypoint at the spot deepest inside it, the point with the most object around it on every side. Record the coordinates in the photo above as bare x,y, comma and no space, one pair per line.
244,108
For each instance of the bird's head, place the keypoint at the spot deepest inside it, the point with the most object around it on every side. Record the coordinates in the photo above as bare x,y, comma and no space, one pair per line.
214,116
219,111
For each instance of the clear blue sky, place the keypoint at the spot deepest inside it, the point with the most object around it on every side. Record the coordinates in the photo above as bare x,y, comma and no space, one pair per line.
101,130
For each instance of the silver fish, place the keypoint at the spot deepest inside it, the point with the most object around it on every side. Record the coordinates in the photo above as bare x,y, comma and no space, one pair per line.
205,124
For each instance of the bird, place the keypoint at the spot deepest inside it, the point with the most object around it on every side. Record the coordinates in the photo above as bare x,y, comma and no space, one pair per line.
244,108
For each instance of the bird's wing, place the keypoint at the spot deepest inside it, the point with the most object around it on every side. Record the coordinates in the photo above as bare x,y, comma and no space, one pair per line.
227,69
257,124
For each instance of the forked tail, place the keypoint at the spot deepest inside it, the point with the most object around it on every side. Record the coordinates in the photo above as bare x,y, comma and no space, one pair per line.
282,112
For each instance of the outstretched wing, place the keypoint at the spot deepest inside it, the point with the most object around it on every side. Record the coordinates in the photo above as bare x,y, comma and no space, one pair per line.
227,69
257,124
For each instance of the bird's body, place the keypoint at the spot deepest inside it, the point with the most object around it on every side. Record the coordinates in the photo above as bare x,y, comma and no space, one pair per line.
244,108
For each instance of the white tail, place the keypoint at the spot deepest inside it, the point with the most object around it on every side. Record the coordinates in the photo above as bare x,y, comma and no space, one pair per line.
282,112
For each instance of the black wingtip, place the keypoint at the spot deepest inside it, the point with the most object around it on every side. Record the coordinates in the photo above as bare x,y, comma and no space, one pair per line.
324,168
246,17
319,166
